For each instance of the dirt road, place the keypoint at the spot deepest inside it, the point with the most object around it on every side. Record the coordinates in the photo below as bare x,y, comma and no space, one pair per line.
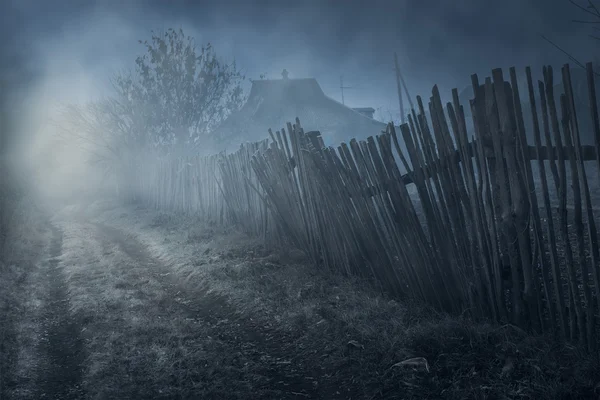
61,346
121,302
113,321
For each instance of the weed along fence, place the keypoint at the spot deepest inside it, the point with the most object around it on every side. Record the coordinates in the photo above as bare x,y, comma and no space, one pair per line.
220,188
494,225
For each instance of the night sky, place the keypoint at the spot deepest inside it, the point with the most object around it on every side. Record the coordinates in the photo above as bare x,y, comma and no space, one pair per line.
80,43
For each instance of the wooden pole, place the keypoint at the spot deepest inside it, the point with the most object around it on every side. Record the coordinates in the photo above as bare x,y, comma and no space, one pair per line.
412,106
342,87
398,84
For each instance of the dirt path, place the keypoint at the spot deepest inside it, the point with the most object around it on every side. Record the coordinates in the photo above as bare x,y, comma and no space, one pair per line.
104,317
61,346
273,374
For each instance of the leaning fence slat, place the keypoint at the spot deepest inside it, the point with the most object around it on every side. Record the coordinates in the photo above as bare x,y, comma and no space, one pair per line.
524,162
574,297
480,252
592,229
469,235
579,184
556,303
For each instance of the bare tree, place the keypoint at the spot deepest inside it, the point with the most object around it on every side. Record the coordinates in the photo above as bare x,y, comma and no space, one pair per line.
591,11
174,99
181,93
171,102
103,131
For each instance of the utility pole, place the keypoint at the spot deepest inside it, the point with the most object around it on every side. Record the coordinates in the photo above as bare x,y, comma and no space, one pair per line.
412,106
399,86
342,87
401,83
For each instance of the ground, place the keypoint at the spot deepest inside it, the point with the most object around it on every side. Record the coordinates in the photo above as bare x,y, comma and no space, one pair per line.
113,302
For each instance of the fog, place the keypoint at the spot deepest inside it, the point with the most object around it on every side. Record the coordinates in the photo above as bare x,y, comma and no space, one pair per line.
67,52
141,277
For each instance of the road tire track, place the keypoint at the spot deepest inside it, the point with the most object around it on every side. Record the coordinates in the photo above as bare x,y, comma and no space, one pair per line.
61,346
8,350
283,383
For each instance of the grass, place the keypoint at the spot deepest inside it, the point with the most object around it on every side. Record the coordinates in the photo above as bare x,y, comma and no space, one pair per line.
27,237
351,337
171,307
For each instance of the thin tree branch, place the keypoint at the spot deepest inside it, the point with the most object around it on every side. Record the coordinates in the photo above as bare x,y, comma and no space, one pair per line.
591,5
565,53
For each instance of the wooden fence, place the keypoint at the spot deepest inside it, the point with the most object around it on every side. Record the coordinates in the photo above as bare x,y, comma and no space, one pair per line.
488,224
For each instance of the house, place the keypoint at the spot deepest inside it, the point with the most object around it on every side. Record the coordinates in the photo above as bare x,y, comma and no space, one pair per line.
274,102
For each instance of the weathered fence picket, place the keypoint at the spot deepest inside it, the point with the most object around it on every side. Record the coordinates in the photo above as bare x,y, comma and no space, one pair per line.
496,226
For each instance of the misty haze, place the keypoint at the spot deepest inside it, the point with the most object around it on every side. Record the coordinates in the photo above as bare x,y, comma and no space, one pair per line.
299,199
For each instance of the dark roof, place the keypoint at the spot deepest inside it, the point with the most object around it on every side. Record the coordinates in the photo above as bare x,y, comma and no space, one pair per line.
273,103
364,109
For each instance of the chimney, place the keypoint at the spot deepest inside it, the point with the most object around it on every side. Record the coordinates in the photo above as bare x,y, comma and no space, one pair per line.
366,111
